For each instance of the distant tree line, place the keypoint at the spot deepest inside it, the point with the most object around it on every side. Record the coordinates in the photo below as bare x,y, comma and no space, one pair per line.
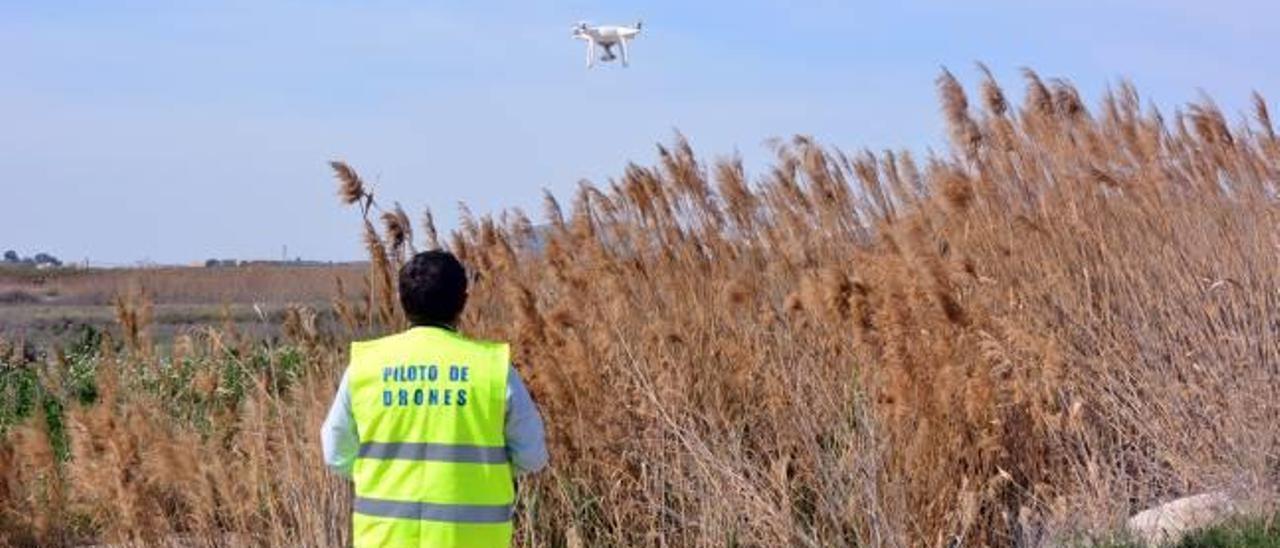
40,259
226,263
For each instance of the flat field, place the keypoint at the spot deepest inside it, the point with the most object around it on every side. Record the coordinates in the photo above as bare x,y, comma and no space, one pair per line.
50,306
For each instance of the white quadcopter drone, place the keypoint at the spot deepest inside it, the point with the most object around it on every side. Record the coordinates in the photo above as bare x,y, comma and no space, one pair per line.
606,37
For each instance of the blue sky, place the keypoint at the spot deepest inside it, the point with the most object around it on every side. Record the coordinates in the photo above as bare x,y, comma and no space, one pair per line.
177,131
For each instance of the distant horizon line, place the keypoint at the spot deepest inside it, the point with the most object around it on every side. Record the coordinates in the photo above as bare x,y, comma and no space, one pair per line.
207,263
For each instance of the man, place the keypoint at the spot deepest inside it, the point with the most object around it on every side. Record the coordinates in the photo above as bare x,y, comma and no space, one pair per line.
432,426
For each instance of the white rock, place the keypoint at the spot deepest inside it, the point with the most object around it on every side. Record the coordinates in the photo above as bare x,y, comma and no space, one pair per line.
1168,522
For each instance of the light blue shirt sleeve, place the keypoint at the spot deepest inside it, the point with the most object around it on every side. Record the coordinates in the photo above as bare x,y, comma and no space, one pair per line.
526,439
338,436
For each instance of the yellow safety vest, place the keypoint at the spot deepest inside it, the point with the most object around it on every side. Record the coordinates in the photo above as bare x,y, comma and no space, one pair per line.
430,409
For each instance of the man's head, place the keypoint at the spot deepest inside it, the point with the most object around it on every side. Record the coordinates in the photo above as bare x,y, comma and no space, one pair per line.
433,288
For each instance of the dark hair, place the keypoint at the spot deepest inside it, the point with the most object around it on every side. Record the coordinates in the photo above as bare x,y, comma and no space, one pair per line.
433,288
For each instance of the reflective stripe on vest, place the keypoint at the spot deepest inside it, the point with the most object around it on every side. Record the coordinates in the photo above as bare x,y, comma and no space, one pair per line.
434,451
432,468
463,513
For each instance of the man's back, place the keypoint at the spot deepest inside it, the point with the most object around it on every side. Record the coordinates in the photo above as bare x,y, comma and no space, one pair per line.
433,439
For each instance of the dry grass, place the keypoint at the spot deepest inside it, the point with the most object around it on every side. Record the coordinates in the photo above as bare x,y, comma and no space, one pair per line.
1072,315
49,307
182,285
